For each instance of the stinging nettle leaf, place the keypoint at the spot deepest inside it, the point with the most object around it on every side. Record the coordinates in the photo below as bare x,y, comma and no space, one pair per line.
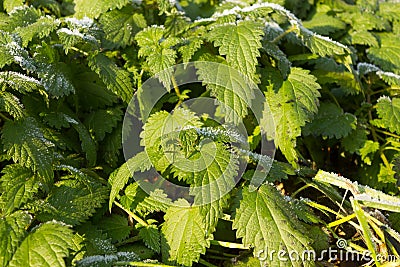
19,185
73,202
93,8
116,79
9,5
20,82
321,45
119,178
24,142
41,28
158,52
87,143
12,232
331,122
116,227
121,26
151,237
290,108
389,113
387,56
232,88
47,245
266,222
240,43
103,121
184,234
11,104
56,79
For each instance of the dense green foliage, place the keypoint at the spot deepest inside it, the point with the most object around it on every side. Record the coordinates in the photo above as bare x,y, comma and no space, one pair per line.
70,68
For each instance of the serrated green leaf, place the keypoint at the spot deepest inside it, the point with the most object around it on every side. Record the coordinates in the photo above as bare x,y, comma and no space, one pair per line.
363,38
216,178
73,202
56,79
108,260
331,122
116,227
389,113
41,28
370,147
291,107
93,8
158,53
387,56
389,10
355,140
161,124
324,24
92,93
191,45
151,237
389,77
232,88
19,82
13,52
103,121
19,185
321,45
265,220
122,25
9,5
20,17
46,245
280,58
87,143
184,235
24,142
116,79
77,35
11,104
119,178
386,174
111,146
96,241
12,232
240,43
137,199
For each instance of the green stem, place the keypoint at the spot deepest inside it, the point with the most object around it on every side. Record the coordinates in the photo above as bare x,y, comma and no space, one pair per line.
322,207
79,50
140,264
133,215
280,36
206,263
388,133
300,189
333,97
177,92
392,148
228,244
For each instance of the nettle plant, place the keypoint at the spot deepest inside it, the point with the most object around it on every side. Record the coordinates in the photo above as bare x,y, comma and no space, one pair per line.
70,68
